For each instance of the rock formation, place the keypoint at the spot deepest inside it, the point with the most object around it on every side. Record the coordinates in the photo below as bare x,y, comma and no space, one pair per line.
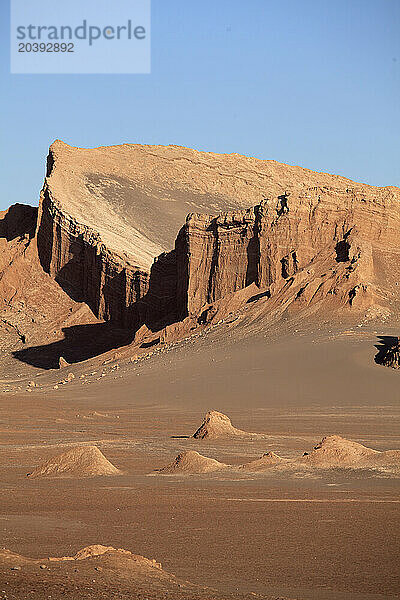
314,233
101,247
105,216
33,307
98,572
93,551
335,451
83,461
217,425
389,354
99,550
267,460
191,462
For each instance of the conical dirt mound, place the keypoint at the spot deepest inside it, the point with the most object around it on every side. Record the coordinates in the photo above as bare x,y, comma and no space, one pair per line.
192,462
100,550
335,451
89,552
267,460
83,461
217,425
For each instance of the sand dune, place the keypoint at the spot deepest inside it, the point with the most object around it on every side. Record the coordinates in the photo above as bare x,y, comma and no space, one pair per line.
217,425
83,461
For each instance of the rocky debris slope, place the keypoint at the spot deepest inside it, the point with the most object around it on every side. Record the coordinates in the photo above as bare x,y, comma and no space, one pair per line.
82,461
191,462
107,218
217,425
33,307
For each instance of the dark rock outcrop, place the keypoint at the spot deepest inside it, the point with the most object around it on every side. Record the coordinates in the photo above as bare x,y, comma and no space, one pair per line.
389,353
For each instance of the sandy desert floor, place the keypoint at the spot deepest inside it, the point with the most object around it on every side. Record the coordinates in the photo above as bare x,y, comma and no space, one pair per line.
305,534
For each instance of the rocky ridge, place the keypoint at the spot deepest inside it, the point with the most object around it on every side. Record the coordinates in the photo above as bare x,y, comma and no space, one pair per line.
300,241
319,234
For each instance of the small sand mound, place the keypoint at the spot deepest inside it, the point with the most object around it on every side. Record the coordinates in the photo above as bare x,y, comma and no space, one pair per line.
217,425
335,451
96,550
267,460
89,552
83,461
192,462
99,550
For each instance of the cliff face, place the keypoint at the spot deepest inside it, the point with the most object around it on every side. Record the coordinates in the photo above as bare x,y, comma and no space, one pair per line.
33,307
329,240
310,239
85,268
105,215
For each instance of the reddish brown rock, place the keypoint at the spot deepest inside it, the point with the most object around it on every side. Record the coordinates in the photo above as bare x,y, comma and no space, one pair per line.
306,241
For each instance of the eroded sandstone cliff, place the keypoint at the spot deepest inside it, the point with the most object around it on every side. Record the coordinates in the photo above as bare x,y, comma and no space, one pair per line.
107,217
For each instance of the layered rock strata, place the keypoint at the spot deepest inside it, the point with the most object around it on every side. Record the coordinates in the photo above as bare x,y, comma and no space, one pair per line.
320,235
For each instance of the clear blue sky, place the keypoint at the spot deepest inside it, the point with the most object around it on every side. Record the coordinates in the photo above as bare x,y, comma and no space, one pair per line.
314,83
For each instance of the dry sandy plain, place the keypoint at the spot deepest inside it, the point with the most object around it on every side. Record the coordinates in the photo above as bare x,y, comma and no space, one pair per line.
326,534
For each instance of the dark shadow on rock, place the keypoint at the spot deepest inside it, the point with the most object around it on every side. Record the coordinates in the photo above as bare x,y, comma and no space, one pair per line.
151,343
256,297
156,309
342,250
20,220
283,207
80,343
385,344
253,251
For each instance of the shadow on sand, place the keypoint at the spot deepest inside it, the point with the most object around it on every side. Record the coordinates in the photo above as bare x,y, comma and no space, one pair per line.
385,342
80,343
